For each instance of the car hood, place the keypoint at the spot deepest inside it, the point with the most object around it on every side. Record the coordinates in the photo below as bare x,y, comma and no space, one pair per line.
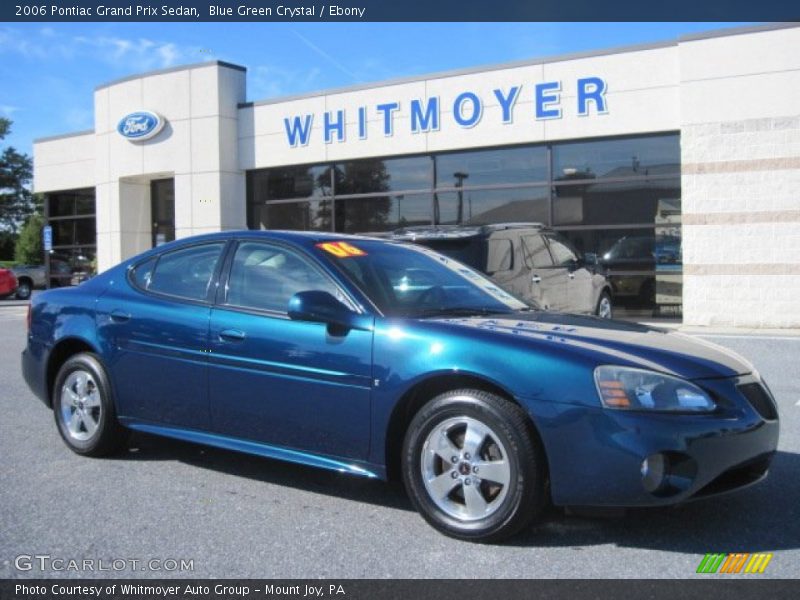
613,342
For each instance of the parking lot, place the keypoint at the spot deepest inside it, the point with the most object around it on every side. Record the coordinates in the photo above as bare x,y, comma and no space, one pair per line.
240,516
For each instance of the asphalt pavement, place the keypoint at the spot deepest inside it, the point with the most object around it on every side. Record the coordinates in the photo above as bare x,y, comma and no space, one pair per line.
234,515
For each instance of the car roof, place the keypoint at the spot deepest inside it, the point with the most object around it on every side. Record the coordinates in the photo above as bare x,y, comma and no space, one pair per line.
303,238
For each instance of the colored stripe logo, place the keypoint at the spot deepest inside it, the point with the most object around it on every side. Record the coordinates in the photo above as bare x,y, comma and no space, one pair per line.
735,562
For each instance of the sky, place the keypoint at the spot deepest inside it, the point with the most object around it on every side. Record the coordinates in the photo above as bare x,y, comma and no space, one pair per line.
48,71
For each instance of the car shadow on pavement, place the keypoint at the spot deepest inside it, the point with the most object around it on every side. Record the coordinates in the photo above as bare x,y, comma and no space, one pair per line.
761,518
145,447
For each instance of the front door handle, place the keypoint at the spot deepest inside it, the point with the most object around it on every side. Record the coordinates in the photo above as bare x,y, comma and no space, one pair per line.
120,316
571,275
536,279
232,335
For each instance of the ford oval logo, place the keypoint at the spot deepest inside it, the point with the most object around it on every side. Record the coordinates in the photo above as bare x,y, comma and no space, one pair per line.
140,125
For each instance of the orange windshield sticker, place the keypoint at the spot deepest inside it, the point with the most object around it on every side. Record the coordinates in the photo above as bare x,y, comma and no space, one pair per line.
341,249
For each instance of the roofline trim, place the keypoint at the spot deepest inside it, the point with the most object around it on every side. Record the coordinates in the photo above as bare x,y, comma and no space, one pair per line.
731,31
526,63
198,65
61,136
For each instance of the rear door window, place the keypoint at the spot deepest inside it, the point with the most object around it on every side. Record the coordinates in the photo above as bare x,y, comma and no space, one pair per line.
184,273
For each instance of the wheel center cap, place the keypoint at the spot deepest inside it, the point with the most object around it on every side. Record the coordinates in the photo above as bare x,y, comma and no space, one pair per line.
464,468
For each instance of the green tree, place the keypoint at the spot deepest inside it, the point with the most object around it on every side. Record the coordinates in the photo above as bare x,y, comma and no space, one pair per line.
16,171
29,249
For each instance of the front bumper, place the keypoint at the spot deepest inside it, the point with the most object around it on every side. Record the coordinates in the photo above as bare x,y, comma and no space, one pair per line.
595,455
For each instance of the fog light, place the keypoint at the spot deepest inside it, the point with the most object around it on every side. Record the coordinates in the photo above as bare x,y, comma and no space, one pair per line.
653,470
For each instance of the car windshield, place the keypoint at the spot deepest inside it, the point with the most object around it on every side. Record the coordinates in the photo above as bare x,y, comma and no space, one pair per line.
414,281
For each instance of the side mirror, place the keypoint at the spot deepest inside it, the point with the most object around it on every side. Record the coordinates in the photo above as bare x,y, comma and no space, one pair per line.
322,307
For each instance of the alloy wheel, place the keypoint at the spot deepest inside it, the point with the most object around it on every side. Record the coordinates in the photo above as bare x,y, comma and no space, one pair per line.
81,407
465,468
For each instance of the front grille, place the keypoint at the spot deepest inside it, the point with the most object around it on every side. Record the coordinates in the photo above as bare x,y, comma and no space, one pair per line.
760,399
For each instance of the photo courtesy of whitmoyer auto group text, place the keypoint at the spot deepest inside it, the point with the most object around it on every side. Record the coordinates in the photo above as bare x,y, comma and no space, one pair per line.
376,301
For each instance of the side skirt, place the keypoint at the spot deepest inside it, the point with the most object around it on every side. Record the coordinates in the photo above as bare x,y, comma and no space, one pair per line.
257,448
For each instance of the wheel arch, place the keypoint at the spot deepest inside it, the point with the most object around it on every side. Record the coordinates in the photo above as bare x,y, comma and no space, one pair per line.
61,353
423,391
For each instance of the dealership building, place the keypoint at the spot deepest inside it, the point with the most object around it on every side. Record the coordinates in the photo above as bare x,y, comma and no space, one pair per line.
676,163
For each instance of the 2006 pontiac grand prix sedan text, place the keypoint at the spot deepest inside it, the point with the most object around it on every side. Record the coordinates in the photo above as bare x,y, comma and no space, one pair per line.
381,359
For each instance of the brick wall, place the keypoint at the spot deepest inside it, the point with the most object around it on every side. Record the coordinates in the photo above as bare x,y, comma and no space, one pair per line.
741,215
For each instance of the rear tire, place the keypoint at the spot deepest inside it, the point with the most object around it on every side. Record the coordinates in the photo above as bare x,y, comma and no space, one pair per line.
472,467
24,290
84,409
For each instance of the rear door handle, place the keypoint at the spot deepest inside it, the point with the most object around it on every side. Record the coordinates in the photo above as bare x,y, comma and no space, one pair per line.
120,316
536,279
232,335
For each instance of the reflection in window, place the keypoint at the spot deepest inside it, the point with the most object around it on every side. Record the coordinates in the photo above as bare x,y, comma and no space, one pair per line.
382,213
487,167
289,182
371,175
482,207
307,215
644,266
72,266
628,202
628,157
186,273
265,277
71,216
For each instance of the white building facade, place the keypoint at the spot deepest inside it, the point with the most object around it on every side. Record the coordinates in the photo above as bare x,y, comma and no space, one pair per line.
676,164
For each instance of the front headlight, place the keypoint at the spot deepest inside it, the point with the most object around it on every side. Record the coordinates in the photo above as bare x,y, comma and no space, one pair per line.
637,389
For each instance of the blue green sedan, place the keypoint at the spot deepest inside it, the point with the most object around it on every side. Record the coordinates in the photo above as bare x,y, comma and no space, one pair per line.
384,360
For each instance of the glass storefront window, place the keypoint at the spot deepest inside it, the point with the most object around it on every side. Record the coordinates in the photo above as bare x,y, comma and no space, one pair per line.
482,207
370,175
603,194
281,183
643,265
617,203
314,215
71,216
72,266
489,167
617,158
382,213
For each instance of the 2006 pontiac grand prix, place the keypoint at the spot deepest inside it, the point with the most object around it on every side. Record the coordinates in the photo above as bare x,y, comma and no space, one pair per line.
382,359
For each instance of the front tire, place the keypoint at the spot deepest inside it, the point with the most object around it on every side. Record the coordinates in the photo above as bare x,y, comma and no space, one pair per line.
472,468
84,409
604,309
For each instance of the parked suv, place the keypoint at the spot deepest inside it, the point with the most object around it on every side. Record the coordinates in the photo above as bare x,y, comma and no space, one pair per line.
527,259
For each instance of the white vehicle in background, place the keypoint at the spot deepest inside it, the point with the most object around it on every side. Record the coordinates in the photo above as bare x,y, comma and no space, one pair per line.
529,260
